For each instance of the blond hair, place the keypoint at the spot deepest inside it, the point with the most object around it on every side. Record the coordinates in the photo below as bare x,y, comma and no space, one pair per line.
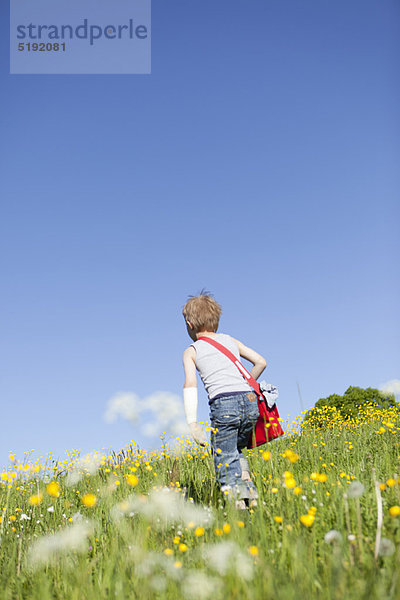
203,312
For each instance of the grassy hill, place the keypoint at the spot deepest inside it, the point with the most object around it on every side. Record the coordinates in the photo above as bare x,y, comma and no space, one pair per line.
141,525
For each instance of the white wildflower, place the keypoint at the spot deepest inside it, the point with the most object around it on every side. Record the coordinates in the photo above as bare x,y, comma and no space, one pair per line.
165,506
333,537
355,489
87,464
77,517
226,557
121,509
73,538
200,586
24,517
158,583
153,564
386,547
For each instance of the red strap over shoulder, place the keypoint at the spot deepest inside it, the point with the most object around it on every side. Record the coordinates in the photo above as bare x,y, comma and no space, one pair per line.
249,378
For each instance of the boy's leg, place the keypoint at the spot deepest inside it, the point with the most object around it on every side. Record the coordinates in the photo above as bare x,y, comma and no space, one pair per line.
250,412
244,465
248,489
225,421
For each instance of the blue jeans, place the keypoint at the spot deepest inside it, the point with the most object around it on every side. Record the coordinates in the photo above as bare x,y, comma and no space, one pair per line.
234,418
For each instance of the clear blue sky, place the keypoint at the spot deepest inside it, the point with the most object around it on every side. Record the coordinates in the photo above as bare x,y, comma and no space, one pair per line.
258,160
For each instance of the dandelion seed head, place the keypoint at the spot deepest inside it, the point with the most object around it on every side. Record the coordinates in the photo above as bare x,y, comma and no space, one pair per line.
355,489
72,538
199,586
87,464
225,557
386,547
333,537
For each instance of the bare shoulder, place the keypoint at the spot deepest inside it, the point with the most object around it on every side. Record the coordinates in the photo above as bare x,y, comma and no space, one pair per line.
249,353
189,354
238,343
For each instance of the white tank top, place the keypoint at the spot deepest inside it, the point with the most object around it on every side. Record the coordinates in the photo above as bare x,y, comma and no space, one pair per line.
218,373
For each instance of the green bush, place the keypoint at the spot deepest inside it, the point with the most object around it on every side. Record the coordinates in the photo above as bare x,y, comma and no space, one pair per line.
349,405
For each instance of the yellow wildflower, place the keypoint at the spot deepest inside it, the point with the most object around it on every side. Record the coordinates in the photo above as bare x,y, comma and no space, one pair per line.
394,511
226,528
132,480
307,520
292,456
89,500
53,489
35,500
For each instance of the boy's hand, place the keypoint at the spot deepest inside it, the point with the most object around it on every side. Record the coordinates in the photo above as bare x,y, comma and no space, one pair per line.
197,434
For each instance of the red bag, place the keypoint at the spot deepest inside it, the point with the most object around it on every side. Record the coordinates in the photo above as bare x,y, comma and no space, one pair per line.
268,426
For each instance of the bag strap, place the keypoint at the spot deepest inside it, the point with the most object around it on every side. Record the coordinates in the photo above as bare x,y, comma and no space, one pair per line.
249,378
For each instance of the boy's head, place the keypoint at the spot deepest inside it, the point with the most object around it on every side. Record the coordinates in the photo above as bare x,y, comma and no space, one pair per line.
202,313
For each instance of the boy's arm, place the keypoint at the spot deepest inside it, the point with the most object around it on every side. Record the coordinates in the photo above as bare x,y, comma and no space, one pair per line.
190,395
189,365
258,361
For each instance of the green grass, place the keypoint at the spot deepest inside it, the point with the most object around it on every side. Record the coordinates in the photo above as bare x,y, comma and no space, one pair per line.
241,554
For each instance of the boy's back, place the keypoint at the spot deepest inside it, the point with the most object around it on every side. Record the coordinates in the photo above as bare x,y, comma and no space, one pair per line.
218,374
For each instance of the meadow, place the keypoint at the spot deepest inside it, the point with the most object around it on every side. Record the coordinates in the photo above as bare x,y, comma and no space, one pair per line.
134,524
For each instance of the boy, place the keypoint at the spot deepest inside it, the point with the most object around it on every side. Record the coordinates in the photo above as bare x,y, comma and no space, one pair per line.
233,403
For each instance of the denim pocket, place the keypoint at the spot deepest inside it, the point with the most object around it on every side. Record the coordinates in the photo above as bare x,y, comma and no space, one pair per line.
224,411
250,411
